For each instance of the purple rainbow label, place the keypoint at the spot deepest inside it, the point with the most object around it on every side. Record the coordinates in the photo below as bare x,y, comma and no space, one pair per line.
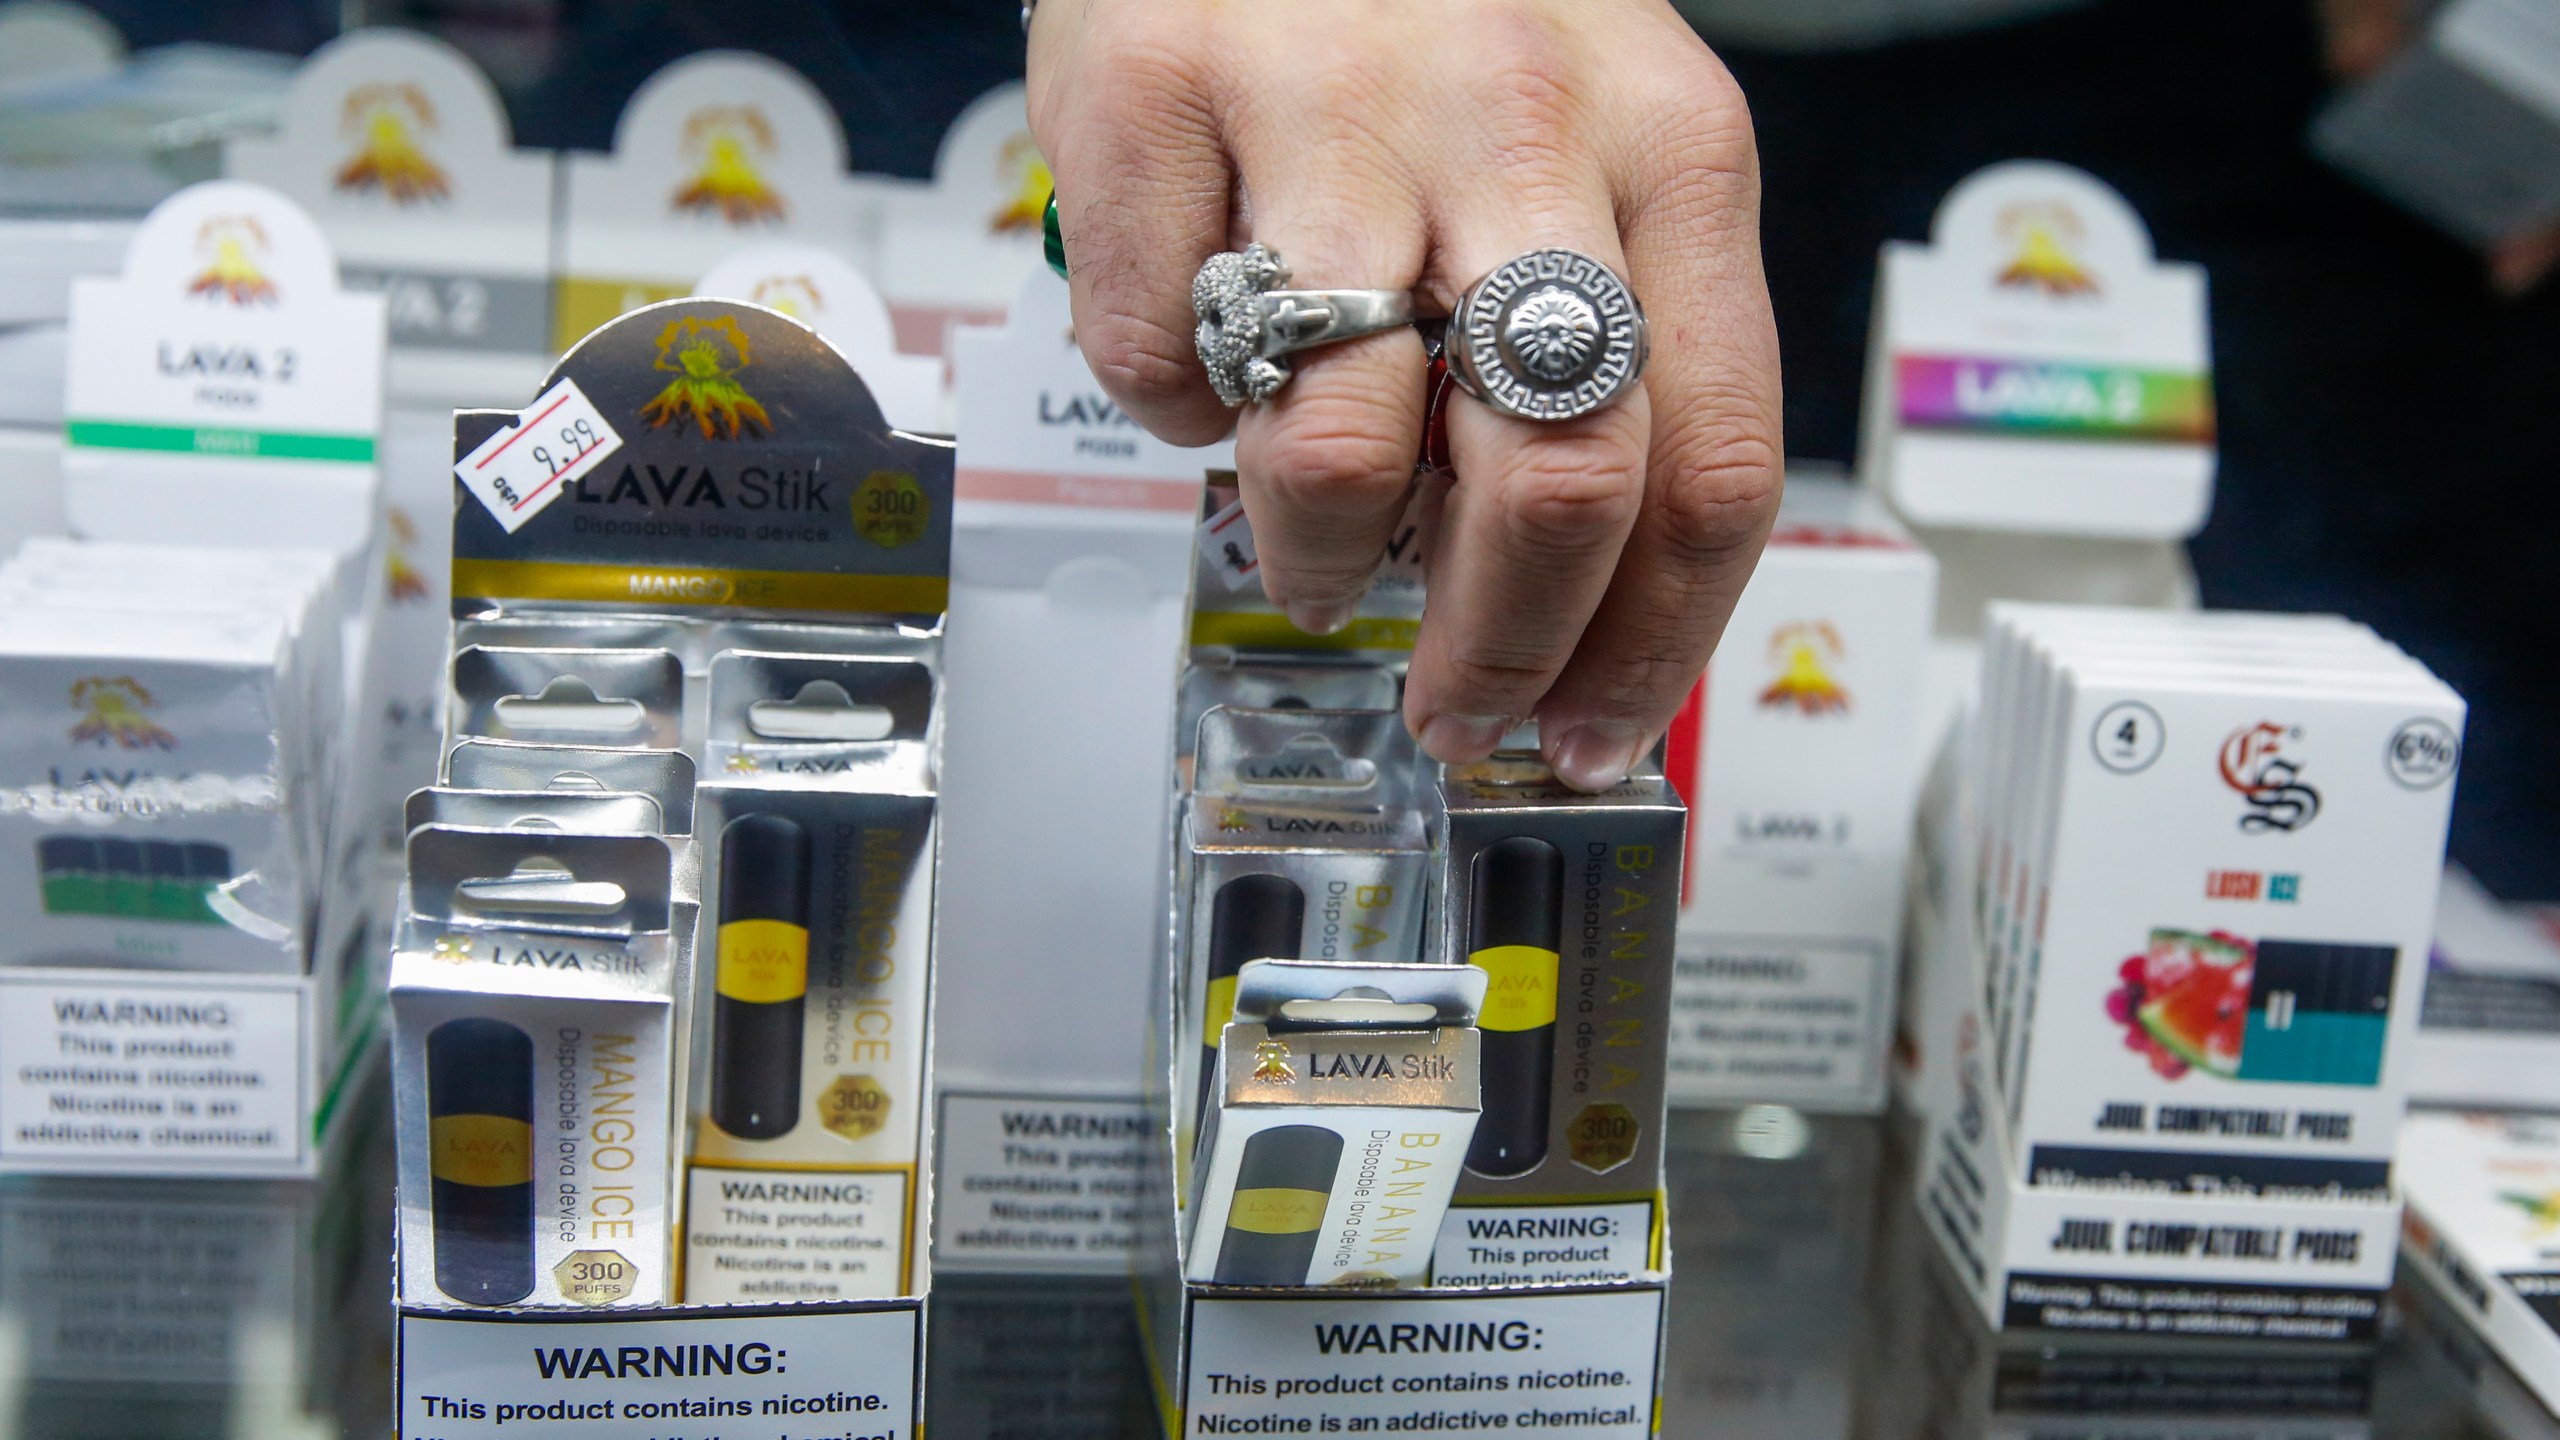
1943,392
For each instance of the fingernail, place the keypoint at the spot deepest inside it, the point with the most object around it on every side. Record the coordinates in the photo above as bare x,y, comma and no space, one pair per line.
1595,757
1460,739
1320,617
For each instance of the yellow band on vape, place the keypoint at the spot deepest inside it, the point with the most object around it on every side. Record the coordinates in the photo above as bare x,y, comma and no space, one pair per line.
1222,1008
1277,1211
763,962
1523,993
482,1150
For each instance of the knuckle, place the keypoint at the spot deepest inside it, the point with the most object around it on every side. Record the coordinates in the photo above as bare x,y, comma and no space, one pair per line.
1530,102
1572,495
1143,66
1488,678
1138,360
1722,491
1333,463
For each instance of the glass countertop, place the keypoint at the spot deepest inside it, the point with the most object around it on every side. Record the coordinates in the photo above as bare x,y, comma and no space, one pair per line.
1809,1304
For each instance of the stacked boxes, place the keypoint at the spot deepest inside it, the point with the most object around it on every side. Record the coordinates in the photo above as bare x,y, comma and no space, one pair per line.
2482,1191
178,787
2180,886
1410,1050
682,865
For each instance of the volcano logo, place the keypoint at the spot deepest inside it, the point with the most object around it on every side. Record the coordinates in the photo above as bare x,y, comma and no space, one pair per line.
2046,235
2255,764
404,582
1805,652
794,295
706,353
116,709
729,144
231,245
1020,168
386,121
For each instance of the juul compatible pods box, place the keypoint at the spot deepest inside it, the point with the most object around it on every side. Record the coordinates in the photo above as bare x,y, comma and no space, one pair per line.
2120,1258
1800,757
1336,1126
1568,902
534,1068
810,1007
2214,948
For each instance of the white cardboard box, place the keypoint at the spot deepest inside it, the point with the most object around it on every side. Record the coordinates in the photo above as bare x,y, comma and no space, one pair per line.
2483,1228
2102,1259
1800,757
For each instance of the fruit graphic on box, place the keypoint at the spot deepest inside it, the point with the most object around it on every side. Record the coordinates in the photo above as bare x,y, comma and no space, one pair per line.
2275,1010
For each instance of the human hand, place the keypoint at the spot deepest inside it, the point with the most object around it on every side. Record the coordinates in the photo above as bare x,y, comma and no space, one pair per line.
1582,571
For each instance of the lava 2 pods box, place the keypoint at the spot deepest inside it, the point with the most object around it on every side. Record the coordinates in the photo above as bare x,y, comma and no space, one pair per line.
1799,754
1336,1125
1568,902
534,1064
156,777
810,1008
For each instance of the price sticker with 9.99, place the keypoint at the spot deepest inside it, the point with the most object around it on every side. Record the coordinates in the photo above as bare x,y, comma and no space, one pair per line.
520,470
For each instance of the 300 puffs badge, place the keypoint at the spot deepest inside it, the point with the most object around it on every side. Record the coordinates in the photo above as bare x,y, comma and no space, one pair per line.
755,476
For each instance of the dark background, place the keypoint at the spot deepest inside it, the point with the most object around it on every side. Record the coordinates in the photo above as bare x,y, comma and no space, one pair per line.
2388,421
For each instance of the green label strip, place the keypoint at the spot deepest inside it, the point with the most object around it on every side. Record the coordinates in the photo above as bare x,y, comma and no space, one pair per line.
212,440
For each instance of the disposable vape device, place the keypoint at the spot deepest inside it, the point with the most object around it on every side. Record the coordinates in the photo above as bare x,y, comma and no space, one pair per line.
1254,917
1514,928
480,1133
762,978
1283,1183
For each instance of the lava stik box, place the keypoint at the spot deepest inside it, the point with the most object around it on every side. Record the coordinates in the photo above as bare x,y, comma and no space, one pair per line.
2483,1228
534,1064
2229,931
1799,755
1303,843
1341,1108
1567,901
810,1011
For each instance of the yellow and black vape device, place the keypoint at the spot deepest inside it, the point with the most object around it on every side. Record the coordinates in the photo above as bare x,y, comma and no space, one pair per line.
1514,925
761,980
480,1135
1283,1183
1254,917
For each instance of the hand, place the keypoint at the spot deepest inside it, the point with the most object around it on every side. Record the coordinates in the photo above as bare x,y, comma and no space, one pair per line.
1580,572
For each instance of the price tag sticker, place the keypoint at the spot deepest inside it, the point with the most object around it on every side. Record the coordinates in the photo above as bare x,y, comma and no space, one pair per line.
519,471
1226,542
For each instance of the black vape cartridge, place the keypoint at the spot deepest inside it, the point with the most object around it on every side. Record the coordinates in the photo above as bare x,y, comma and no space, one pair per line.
1283,1183
1514,923
165,892
762,980
72,876
208,870
480,1140
1254,917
